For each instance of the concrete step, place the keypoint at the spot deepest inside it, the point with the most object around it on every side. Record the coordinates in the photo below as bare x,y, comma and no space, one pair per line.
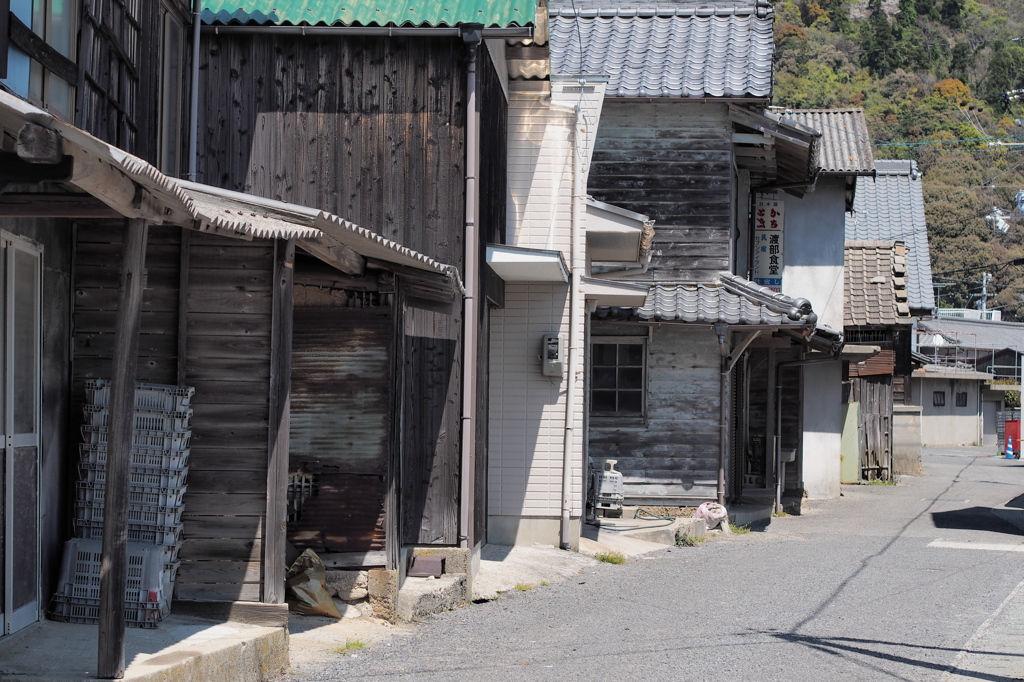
420,597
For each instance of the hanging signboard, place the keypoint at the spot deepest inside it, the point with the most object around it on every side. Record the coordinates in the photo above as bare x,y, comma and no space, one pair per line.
769,219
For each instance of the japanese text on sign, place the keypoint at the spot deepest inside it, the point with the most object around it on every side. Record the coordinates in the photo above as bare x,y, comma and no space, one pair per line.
769,220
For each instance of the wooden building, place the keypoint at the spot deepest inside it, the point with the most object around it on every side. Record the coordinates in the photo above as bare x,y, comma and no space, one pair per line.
693,392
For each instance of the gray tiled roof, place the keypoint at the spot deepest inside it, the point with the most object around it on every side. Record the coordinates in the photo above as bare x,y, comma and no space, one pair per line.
732,300
982,334
875,284
671,50
845,144
890,207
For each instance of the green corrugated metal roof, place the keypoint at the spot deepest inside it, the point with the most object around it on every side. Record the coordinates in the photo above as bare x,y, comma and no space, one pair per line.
490,13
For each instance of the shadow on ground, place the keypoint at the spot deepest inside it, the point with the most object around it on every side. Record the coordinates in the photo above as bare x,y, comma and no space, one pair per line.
975,518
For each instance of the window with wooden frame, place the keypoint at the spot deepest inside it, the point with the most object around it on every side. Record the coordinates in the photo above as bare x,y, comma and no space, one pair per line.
938,398
618,377
41,53
961,399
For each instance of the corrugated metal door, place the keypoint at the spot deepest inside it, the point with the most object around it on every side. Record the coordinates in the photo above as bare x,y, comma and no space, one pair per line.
340,425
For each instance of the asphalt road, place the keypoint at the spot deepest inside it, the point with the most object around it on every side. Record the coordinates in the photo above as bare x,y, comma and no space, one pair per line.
885,583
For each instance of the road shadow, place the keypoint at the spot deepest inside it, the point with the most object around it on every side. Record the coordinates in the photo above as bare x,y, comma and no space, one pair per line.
975,518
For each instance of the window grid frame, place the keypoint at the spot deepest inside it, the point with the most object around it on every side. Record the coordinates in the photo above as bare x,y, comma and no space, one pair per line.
619,341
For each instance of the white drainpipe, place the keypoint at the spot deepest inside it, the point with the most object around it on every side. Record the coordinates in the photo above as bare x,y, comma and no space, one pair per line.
575,310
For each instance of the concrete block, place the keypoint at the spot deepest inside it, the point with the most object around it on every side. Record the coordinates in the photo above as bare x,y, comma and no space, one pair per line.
423,596
457,561
347,585
690,528
382,586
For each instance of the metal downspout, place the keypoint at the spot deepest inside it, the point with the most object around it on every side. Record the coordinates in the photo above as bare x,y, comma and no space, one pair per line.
472,34
722,330
777,445
575,310
193,102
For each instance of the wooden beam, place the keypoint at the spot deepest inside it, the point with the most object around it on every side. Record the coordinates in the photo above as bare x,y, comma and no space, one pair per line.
114,566
54,206
28,42
37,144
280,407
97,177
335,254
254,613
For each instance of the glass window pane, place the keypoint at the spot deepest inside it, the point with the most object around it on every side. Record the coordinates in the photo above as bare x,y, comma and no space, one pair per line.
26,515
26,341
604,377
631,354
61,31
60,96
630,402
603,354
35,81
631,377
603,401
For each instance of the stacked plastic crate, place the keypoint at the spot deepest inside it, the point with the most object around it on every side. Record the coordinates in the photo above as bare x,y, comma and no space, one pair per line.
159,465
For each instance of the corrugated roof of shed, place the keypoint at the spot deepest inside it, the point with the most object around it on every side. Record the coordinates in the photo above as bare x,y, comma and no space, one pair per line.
673,50
845,144
409,13
890,207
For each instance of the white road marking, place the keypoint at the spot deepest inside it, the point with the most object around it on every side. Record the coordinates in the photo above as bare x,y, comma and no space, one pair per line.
973,641
988,546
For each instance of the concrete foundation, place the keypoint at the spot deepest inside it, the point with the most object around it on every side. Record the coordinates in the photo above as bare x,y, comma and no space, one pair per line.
382,586
423,596
531,530
906,440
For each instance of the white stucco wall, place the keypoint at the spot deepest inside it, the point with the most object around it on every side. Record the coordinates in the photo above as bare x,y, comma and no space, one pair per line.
823,424
948,425
813,241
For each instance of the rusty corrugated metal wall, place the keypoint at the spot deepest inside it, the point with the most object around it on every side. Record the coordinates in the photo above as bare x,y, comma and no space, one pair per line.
342,364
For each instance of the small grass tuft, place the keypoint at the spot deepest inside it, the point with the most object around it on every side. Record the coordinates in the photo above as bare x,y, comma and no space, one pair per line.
544,583
350,645
740,530
879,481
780,514
611,557
524,587
688,541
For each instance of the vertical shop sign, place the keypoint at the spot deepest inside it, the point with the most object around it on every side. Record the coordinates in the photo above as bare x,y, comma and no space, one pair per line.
769,220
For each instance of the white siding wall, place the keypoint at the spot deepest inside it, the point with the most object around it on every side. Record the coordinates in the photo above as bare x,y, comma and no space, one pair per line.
527,422
528,409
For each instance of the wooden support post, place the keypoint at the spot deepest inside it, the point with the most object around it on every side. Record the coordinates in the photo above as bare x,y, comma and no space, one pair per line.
280,407
183,274
114,567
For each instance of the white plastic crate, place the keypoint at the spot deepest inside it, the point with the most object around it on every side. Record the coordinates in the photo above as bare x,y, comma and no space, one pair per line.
138,514
149,580
167,440
150,458
92,493
145,420
147,396
153,478
167,536
87,611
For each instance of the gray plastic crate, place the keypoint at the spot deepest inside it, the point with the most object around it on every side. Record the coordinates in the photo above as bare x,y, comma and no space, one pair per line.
150,535
138,514
150,458
147,396
167,440
142,476
145,420
93,493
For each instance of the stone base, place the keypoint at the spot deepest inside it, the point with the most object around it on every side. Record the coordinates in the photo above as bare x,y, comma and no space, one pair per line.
423,596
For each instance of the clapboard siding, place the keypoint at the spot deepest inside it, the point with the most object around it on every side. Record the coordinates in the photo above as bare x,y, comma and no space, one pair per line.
228,361
371,129
672,162
674,454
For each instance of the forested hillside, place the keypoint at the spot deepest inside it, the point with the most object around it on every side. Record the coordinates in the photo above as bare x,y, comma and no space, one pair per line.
930,75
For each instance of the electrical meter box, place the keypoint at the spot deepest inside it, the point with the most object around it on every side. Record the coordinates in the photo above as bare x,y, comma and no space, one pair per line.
552,353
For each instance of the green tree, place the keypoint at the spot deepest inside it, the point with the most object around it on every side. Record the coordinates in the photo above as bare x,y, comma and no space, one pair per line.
1005,72
878,41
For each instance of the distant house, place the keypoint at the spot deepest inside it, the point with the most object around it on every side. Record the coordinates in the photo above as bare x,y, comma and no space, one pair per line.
692,392
876,312
989,347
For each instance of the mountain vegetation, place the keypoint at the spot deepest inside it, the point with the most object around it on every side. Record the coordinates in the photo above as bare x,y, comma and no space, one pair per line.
931,76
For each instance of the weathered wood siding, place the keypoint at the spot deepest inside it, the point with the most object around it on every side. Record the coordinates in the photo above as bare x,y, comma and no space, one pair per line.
371,129
57,452
672,162
430,427
673,455
341,421
227,300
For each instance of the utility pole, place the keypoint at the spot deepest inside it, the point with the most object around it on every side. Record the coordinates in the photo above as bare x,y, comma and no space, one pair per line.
985,279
